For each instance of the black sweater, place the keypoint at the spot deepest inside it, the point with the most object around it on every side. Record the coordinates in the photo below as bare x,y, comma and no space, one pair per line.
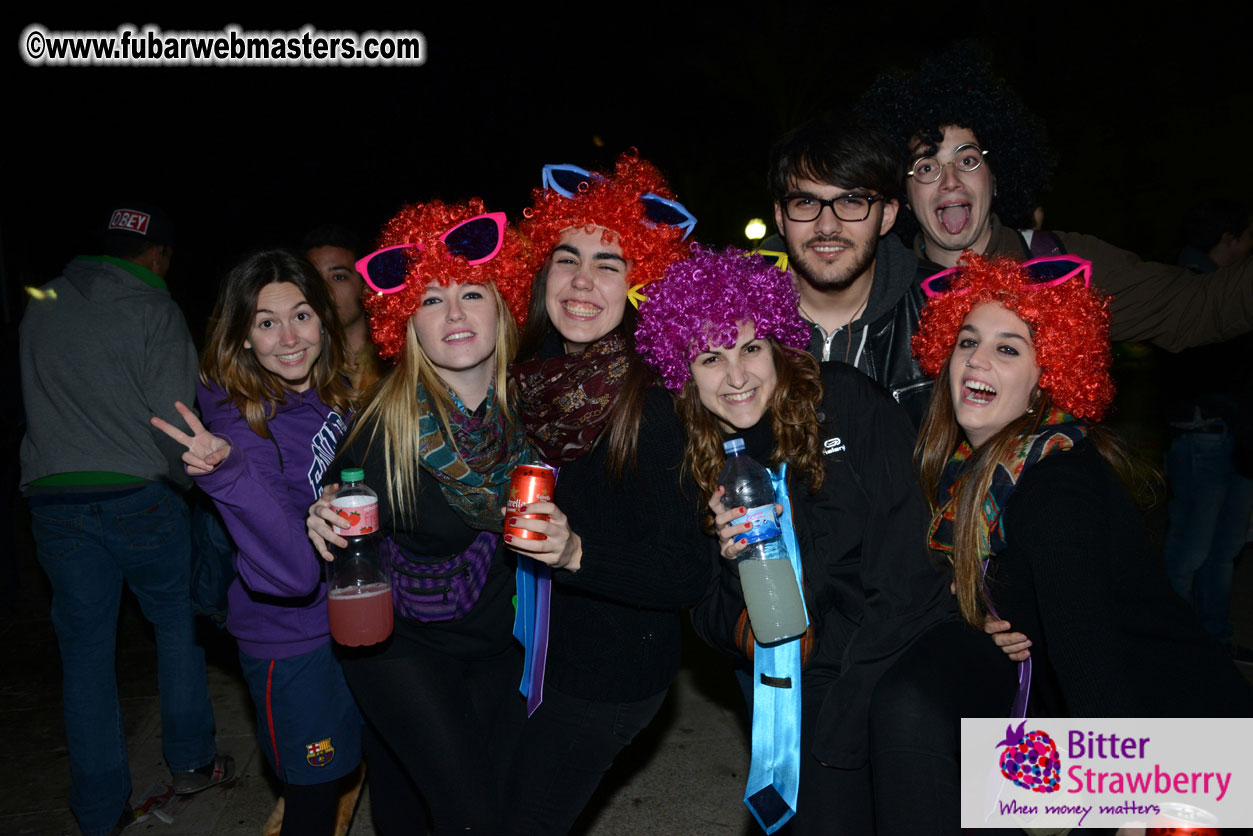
434,529
1111,638
614,632
870,586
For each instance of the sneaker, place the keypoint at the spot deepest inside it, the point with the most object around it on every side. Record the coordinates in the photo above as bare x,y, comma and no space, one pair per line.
1240,654
220,770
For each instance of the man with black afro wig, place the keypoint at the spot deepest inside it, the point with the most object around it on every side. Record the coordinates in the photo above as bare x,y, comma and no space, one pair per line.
977,159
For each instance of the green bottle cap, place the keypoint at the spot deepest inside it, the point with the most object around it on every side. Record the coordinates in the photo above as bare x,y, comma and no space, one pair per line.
352,474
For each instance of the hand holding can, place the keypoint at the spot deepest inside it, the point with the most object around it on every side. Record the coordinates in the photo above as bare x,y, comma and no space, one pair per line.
531,483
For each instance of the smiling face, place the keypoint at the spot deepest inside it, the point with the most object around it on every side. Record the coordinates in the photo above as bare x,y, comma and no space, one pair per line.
828,253
993,372
737,383
955,212
286,335
336,266
456,327
586,290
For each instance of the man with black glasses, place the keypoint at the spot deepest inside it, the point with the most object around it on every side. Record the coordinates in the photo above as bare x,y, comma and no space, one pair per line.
836,187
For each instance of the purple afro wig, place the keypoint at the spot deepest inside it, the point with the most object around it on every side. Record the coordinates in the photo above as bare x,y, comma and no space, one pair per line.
701,301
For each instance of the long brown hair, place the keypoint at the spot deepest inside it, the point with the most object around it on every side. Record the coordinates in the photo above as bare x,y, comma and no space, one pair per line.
938,440
394,411
622,426
793,411
254,390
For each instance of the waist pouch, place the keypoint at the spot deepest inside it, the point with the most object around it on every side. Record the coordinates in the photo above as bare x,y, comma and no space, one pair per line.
439,588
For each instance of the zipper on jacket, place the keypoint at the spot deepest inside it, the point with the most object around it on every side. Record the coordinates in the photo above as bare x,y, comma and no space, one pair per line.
456,570
904,390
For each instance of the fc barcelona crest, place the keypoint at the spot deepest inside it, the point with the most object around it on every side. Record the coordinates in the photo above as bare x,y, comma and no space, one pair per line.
320,753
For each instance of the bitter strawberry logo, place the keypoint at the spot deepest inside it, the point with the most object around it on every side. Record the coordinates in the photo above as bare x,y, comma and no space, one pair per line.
1030,759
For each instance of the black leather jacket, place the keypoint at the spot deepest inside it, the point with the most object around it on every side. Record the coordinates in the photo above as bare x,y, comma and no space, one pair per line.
878,344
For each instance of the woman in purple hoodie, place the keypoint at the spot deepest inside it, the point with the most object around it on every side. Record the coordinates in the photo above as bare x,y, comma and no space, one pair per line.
275,403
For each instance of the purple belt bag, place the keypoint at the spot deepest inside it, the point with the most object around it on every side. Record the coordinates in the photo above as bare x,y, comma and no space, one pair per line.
440,588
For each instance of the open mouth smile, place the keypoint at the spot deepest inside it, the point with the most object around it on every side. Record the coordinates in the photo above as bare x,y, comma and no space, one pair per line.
736,398
953,217
292,359
978,392
828,249
459,336
581,310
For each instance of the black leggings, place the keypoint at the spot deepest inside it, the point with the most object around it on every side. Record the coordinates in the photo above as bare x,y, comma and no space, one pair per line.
310,809
451,724
950,672
567,746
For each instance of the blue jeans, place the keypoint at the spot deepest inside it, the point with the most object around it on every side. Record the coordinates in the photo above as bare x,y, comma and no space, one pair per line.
1209,518
87,551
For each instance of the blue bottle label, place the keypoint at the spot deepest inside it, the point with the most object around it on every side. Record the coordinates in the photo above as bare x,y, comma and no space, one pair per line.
765,525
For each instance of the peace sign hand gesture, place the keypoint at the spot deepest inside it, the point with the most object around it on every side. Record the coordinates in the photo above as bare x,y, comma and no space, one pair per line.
205,451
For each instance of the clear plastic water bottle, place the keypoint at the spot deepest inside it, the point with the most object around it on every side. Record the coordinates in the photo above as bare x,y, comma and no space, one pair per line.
359,593
770,589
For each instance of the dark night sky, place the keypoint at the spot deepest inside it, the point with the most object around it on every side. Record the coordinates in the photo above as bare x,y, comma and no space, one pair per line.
1144,120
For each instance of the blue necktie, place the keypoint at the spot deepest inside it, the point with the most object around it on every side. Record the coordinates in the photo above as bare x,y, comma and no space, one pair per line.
775,769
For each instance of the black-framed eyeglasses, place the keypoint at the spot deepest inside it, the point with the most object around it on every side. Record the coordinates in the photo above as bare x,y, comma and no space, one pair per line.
803,208
966,158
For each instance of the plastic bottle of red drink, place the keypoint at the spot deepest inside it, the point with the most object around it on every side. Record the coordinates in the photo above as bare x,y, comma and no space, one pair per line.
359,593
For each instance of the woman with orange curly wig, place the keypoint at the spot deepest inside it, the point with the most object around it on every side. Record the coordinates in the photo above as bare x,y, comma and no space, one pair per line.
631,556
1030,504
439,442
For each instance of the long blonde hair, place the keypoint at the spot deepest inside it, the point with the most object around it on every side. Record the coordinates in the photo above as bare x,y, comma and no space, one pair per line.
394,410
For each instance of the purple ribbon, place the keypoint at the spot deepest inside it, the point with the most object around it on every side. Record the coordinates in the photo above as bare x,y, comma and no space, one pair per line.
530,626
1019,709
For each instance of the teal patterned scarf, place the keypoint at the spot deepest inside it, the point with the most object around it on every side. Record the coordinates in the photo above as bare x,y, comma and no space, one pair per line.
474,466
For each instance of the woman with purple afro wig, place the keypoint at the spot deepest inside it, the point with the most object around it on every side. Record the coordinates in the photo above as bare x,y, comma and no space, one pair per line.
723,331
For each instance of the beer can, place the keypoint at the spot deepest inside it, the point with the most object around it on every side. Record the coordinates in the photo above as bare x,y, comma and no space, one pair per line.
531,482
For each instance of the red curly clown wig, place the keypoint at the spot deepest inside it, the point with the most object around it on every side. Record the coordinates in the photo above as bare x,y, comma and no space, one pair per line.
614,204
424,223
1069,328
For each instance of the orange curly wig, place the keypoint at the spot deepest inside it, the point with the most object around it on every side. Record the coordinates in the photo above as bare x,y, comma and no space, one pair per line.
1069,328
424,223
614,204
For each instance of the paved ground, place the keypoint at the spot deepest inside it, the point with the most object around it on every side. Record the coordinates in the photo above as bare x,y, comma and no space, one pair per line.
684,776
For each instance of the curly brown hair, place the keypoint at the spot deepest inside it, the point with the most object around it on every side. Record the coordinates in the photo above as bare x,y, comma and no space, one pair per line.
793,411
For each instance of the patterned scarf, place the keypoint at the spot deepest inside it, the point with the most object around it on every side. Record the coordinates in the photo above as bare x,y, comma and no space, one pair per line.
565,400
474,468
1058,432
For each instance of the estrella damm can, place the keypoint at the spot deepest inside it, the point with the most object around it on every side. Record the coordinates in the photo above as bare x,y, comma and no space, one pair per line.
530,483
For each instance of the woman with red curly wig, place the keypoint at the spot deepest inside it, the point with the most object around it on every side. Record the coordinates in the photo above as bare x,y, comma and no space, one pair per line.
439,442
1030,505
630,556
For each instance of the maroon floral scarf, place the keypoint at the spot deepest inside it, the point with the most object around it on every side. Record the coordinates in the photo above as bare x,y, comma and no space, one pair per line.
564,401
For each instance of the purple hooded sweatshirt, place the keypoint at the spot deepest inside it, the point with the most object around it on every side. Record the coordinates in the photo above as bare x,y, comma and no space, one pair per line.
277,603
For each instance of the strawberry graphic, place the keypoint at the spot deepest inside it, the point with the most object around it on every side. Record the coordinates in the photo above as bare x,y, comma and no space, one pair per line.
1030,759
352,516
